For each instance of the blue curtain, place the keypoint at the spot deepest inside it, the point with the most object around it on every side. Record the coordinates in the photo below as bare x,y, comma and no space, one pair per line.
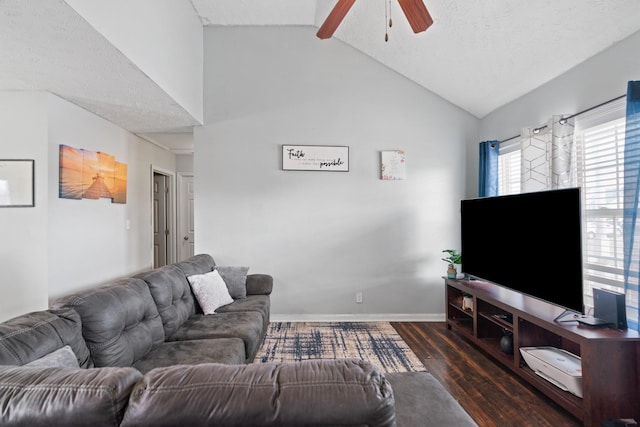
631,189
488,179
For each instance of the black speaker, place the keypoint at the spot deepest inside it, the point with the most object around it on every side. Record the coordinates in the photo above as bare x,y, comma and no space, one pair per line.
610,307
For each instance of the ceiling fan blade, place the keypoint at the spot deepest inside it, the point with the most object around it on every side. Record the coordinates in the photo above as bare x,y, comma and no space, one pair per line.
417,14
335,17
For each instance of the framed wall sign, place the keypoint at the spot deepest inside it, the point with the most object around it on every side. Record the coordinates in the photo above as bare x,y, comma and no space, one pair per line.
392,165
17,183
326,158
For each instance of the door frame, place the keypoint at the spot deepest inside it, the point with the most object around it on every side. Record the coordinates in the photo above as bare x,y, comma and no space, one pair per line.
171,212
180,201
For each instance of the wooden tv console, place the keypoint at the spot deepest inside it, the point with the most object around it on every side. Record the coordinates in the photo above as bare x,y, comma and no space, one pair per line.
610,357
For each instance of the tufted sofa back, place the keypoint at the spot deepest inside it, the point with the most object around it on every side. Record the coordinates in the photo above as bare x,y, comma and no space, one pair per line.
197,264
120,321
31,336
172,295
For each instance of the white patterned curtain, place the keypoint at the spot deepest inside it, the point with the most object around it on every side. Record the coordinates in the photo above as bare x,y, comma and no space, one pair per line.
548,156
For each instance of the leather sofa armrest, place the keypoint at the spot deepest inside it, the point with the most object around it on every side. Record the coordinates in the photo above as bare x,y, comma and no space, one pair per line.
64,396
319,393
259,284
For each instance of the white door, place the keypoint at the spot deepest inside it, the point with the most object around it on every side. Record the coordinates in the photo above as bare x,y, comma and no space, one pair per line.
186,242
160,223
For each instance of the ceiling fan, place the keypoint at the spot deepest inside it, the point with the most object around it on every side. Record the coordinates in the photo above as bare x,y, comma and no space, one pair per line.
415,11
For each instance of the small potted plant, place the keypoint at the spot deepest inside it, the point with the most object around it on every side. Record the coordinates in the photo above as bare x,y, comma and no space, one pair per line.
455,257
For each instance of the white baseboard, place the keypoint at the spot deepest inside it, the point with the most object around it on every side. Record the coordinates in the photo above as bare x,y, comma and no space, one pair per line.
385,317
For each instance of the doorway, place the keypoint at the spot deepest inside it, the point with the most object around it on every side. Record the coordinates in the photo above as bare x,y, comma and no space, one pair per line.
186,229
162,218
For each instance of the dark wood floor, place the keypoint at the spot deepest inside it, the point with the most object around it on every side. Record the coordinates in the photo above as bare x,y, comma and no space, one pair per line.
491,394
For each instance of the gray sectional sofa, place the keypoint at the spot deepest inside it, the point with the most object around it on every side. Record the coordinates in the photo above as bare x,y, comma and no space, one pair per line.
139,351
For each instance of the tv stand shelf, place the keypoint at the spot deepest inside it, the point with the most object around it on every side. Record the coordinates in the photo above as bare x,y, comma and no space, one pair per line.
610,357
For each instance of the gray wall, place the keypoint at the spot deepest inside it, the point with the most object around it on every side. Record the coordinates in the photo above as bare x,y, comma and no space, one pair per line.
62,245
184,163
326,235
89,242
23,231
599,79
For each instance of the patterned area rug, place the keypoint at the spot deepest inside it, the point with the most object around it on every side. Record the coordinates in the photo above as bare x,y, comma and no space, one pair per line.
376,342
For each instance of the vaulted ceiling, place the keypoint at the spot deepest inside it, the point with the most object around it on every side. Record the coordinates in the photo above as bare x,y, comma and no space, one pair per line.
478,55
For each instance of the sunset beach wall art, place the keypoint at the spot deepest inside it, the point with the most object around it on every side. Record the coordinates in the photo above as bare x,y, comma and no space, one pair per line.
88,174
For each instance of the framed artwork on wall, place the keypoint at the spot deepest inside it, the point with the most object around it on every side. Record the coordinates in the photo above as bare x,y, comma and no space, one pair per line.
392,165
325,158
86,174
17,187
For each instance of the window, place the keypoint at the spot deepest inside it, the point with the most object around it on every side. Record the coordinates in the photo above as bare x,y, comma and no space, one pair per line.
599,139
600,167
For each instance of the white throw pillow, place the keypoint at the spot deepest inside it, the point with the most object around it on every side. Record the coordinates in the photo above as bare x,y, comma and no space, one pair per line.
210,291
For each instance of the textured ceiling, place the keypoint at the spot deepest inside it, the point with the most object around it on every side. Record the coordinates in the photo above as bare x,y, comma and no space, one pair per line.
479,55
47,46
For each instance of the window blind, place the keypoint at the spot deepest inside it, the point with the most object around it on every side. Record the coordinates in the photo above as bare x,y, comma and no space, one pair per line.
509,168
600,166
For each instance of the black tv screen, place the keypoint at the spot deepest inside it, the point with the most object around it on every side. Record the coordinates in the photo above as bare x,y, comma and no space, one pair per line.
528,242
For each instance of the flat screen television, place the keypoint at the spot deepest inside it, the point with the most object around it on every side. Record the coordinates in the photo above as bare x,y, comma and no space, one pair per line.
529,242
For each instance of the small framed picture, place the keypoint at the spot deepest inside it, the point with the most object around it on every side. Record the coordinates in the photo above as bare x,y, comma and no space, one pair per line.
392,165
17,183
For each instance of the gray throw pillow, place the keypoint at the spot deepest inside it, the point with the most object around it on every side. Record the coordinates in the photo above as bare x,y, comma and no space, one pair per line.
236,280
61,358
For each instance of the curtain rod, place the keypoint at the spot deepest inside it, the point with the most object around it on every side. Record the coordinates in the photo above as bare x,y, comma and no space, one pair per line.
536,130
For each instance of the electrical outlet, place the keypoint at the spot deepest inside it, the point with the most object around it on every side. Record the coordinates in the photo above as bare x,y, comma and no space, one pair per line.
359,297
